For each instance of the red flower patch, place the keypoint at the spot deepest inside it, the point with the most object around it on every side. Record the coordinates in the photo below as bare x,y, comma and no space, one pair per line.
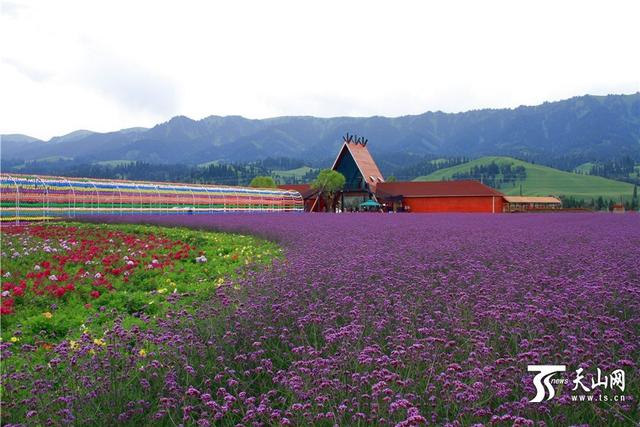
83,261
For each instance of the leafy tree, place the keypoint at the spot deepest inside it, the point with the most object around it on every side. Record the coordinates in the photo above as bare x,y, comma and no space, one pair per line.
329,183
263,182
391,178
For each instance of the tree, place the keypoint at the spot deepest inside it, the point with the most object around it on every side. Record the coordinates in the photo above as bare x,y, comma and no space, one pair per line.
634,198
329,183
263,182
391,178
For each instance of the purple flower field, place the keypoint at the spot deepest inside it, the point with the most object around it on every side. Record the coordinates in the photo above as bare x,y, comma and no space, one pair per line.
373,319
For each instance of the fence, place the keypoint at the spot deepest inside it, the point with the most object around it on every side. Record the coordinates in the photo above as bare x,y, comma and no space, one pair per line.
30,197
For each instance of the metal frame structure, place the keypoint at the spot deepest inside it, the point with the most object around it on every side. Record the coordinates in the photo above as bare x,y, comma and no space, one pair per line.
32,197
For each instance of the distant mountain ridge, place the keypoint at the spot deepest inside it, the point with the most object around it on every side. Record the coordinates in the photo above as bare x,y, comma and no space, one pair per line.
595,127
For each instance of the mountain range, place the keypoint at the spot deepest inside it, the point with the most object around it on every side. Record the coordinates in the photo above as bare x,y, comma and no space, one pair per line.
586,127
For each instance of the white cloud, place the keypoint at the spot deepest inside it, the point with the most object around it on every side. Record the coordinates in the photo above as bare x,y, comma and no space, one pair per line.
108,65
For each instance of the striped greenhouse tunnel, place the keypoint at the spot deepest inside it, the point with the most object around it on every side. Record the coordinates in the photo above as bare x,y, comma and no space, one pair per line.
31,197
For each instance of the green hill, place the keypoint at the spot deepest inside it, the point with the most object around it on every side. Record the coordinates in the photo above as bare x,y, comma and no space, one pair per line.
293,173
540,180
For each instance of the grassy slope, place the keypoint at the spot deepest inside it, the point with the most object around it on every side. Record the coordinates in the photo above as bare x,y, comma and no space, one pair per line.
299,172
543,181
292,173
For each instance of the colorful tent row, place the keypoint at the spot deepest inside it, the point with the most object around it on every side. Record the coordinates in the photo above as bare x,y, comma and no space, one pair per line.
31,197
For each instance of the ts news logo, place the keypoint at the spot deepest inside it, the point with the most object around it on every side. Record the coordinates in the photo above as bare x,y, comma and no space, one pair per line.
545,384
542,381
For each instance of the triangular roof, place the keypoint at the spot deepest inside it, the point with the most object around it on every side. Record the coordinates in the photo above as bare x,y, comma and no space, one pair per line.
365,163
435,189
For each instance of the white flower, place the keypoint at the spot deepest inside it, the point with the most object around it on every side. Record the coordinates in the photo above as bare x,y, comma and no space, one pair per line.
130,262
7,274
53,277
201,259
36,267
155,261
98,276
5,293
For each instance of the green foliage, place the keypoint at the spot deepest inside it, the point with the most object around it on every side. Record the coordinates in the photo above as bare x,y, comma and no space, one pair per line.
263,182
329,183
391,178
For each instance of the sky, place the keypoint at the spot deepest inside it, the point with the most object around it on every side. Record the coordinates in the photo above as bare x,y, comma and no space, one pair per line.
108,65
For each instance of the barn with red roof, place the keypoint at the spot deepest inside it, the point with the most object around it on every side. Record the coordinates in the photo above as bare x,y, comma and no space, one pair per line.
440,196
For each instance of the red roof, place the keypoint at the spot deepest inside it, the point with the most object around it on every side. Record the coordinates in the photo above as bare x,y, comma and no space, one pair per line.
435,189
304,189
364,161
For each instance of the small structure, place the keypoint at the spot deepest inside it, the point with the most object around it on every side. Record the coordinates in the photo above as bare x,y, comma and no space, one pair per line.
370,206
618,208
310,196
531,203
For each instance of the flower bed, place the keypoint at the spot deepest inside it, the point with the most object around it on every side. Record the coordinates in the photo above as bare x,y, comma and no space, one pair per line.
370,320
55,276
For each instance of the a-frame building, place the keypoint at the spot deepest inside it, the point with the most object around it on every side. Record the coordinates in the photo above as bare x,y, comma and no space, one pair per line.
360,171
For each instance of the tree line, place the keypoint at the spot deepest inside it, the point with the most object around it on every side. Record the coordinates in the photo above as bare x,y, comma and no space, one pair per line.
601,203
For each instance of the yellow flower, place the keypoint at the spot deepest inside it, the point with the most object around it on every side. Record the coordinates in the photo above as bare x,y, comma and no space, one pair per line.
73,344
47,314
14,339
142,352
99,341
162,291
